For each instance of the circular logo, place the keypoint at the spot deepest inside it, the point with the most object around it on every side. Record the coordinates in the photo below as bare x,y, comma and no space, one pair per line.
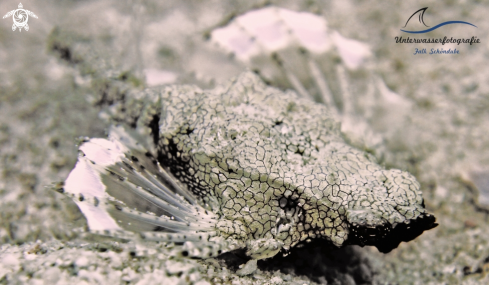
20,17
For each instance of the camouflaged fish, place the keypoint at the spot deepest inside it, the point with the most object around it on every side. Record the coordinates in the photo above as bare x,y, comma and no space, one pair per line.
242,166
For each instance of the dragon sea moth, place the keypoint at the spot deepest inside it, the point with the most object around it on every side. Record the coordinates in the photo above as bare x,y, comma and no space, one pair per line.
242,166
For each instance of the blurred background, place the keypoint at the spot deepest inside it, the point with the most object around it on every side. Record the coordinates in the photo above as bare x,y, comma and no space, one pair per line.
427,114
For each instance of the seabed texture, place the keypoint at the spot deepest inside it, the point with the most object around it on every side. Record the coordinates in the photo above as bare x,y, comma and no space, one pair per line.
44,109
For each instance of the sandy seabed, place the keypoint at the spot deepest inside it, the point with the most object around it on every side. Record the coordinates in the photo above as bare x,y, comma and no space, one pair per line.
45,108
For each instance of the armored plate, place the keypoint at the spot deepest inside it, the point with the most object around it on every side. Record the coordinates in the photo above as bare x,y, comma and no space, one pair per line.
241,166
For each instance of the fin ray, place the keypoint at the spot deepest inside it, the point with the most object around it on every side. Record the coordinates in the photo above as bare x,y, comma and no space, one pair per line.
124,192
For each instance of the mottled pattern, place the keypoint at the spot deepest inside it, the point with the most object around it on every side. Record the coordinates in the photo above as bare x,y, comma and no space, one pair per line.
280,169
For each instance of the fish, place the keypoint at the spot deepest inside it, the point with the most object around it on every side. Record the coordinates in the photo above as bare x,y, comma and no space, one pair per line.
243,166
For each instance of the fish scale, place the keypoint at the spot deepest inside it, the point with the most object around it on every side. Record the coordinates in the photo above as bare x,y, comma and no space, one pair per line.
318,198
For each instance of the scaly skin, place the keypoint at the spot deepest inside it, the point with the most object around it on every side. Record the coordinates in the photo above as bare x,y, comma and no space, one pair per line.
280,169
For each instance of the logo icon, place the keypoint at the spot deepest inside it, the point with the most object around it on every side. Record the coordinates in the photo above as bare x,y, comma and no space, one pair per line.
421,20
20,16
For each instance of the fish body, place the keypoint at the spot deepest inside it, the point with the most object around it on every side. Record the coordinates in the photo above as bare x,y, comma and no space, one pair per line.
245,166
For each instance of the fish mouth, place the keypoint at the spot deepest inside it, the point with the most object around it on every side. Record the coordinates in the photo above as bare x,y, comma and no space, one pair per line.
387,236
